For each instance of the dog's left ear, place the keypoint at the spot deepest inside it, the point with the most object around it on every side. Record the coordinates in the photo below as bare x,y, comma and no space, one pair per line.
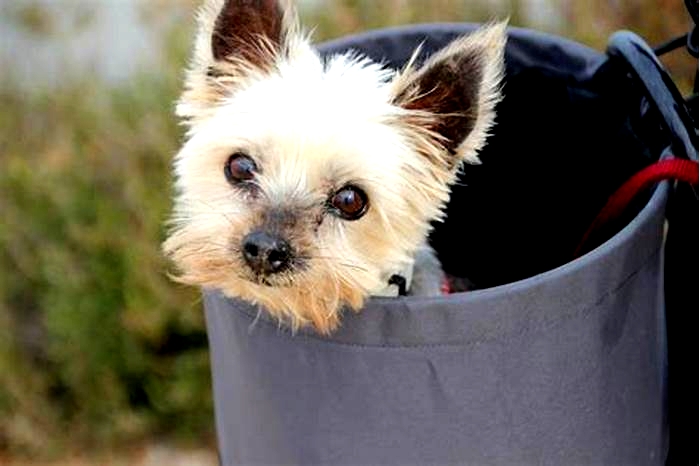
450,100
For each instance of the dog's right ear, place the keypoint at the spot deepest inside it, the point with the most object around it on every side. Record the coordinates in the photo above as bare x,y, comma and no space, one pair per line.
236,40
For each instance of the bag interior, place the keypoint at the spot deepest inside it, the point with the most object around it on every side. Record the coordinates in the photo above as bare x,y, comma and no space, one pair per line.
572,128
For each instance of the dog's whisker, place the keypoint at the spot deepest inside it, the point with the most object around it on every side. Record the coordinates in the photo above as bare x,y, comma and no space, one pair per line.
333,260
353,266
203,242
200,213
197,253
213,211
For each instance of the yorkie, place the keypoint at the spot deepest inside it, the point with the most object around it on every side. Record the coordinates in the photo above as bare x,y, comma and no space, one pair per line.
307,184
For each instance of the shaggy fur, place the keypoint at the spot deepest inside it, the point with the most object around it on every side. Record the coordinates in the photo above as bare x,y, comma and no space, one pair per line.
313,126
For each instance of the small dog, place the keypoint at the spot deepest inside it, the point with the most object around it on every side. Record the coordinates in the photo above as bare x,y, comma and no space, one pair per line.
306,184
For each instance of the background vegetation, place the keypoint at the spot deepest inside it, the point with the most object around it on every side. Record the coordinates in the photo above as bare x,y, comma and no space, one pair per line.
98,349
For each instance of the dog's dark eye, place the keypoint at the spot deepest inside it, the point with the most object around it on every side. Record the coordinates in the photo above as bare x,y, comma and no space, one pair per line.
239,167
349,203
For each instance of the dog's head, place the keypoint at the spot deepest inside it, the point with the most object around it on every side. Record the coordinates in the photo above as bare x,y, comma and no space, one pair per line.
305,183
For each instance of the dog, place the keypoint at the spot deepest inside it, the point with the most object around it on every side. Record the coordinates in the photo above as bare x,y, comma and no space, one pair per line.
307,184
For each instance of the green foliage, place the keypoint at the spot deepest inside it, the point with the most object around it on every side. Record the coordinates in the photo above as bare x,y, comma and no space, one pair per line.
98,345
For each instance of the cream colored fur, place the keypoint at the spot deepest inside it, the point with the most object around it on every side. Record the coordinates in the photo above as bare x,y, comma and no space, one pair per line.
312,126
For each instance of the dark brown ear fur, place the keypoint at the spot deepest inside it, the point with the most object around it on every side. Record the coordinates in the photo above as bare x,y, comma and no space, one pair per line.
236,40
245,28
449,89
453,95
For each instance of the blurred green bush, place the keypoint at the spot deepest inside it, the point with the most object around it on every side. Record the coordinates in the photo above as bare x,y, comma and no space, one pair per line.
97,346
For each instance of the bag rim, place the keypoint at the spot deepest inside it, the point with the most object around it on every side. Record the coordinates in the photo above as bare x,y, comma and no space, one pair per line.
400,322
459,319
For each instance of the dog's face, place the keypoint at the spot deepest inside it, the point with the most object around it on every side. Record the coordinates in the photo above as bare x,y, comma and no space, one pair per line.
304,183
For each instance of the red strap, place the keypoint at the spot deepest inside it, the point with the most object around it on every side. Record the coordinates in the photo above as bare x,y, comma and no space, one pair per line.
445,288
676,169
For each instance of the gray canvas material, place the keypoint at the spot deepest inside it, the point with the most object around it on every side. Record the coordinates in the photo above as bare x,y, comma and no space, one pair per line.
565,368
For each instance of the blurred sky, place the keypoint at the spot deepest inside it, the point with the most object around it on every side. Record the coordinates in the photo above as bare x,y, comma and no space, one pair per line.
43,42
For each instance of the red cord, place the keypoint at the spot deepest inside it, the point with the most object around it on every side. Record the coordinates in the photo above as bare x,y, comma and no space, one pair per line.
675,169
445,288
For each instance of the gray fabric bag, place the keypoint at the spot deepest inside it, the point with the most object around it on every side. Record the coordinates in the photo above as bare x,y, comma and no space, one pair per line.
564,364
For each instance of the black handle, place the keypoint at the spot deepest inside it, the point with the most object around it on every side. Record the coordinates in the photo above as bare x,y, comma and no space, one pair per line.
660,90
680,267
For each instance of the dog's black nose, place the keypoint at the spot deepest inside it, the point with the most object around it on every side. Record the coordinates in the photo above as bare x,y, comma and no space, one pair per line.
265,253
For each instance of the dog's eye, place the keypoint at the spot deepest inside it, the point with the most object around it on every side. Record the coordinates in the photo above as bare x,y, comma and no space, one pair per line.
349,203
239,167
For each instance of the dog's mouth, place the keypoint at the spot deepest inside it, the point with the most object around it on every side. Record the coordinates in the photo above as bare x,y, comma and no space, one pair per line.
270,282
265,282
284,280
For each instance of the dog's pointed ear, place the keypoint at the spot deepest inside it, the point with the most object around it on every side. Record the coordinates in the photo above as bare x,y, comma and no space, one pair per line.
450,100
248,30
236,39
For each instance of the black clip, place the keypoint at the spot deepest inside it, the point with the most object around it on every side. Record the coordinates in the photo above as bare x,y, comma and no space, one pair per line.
400,282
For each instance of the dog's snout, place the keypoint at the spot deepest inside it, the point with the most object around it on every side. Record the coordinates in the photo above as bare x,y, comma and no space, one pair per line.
266,253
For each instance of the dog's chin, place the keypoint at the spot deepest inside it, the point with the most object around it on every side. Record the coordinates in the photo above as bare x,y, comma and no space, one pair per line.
271,281
296,300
